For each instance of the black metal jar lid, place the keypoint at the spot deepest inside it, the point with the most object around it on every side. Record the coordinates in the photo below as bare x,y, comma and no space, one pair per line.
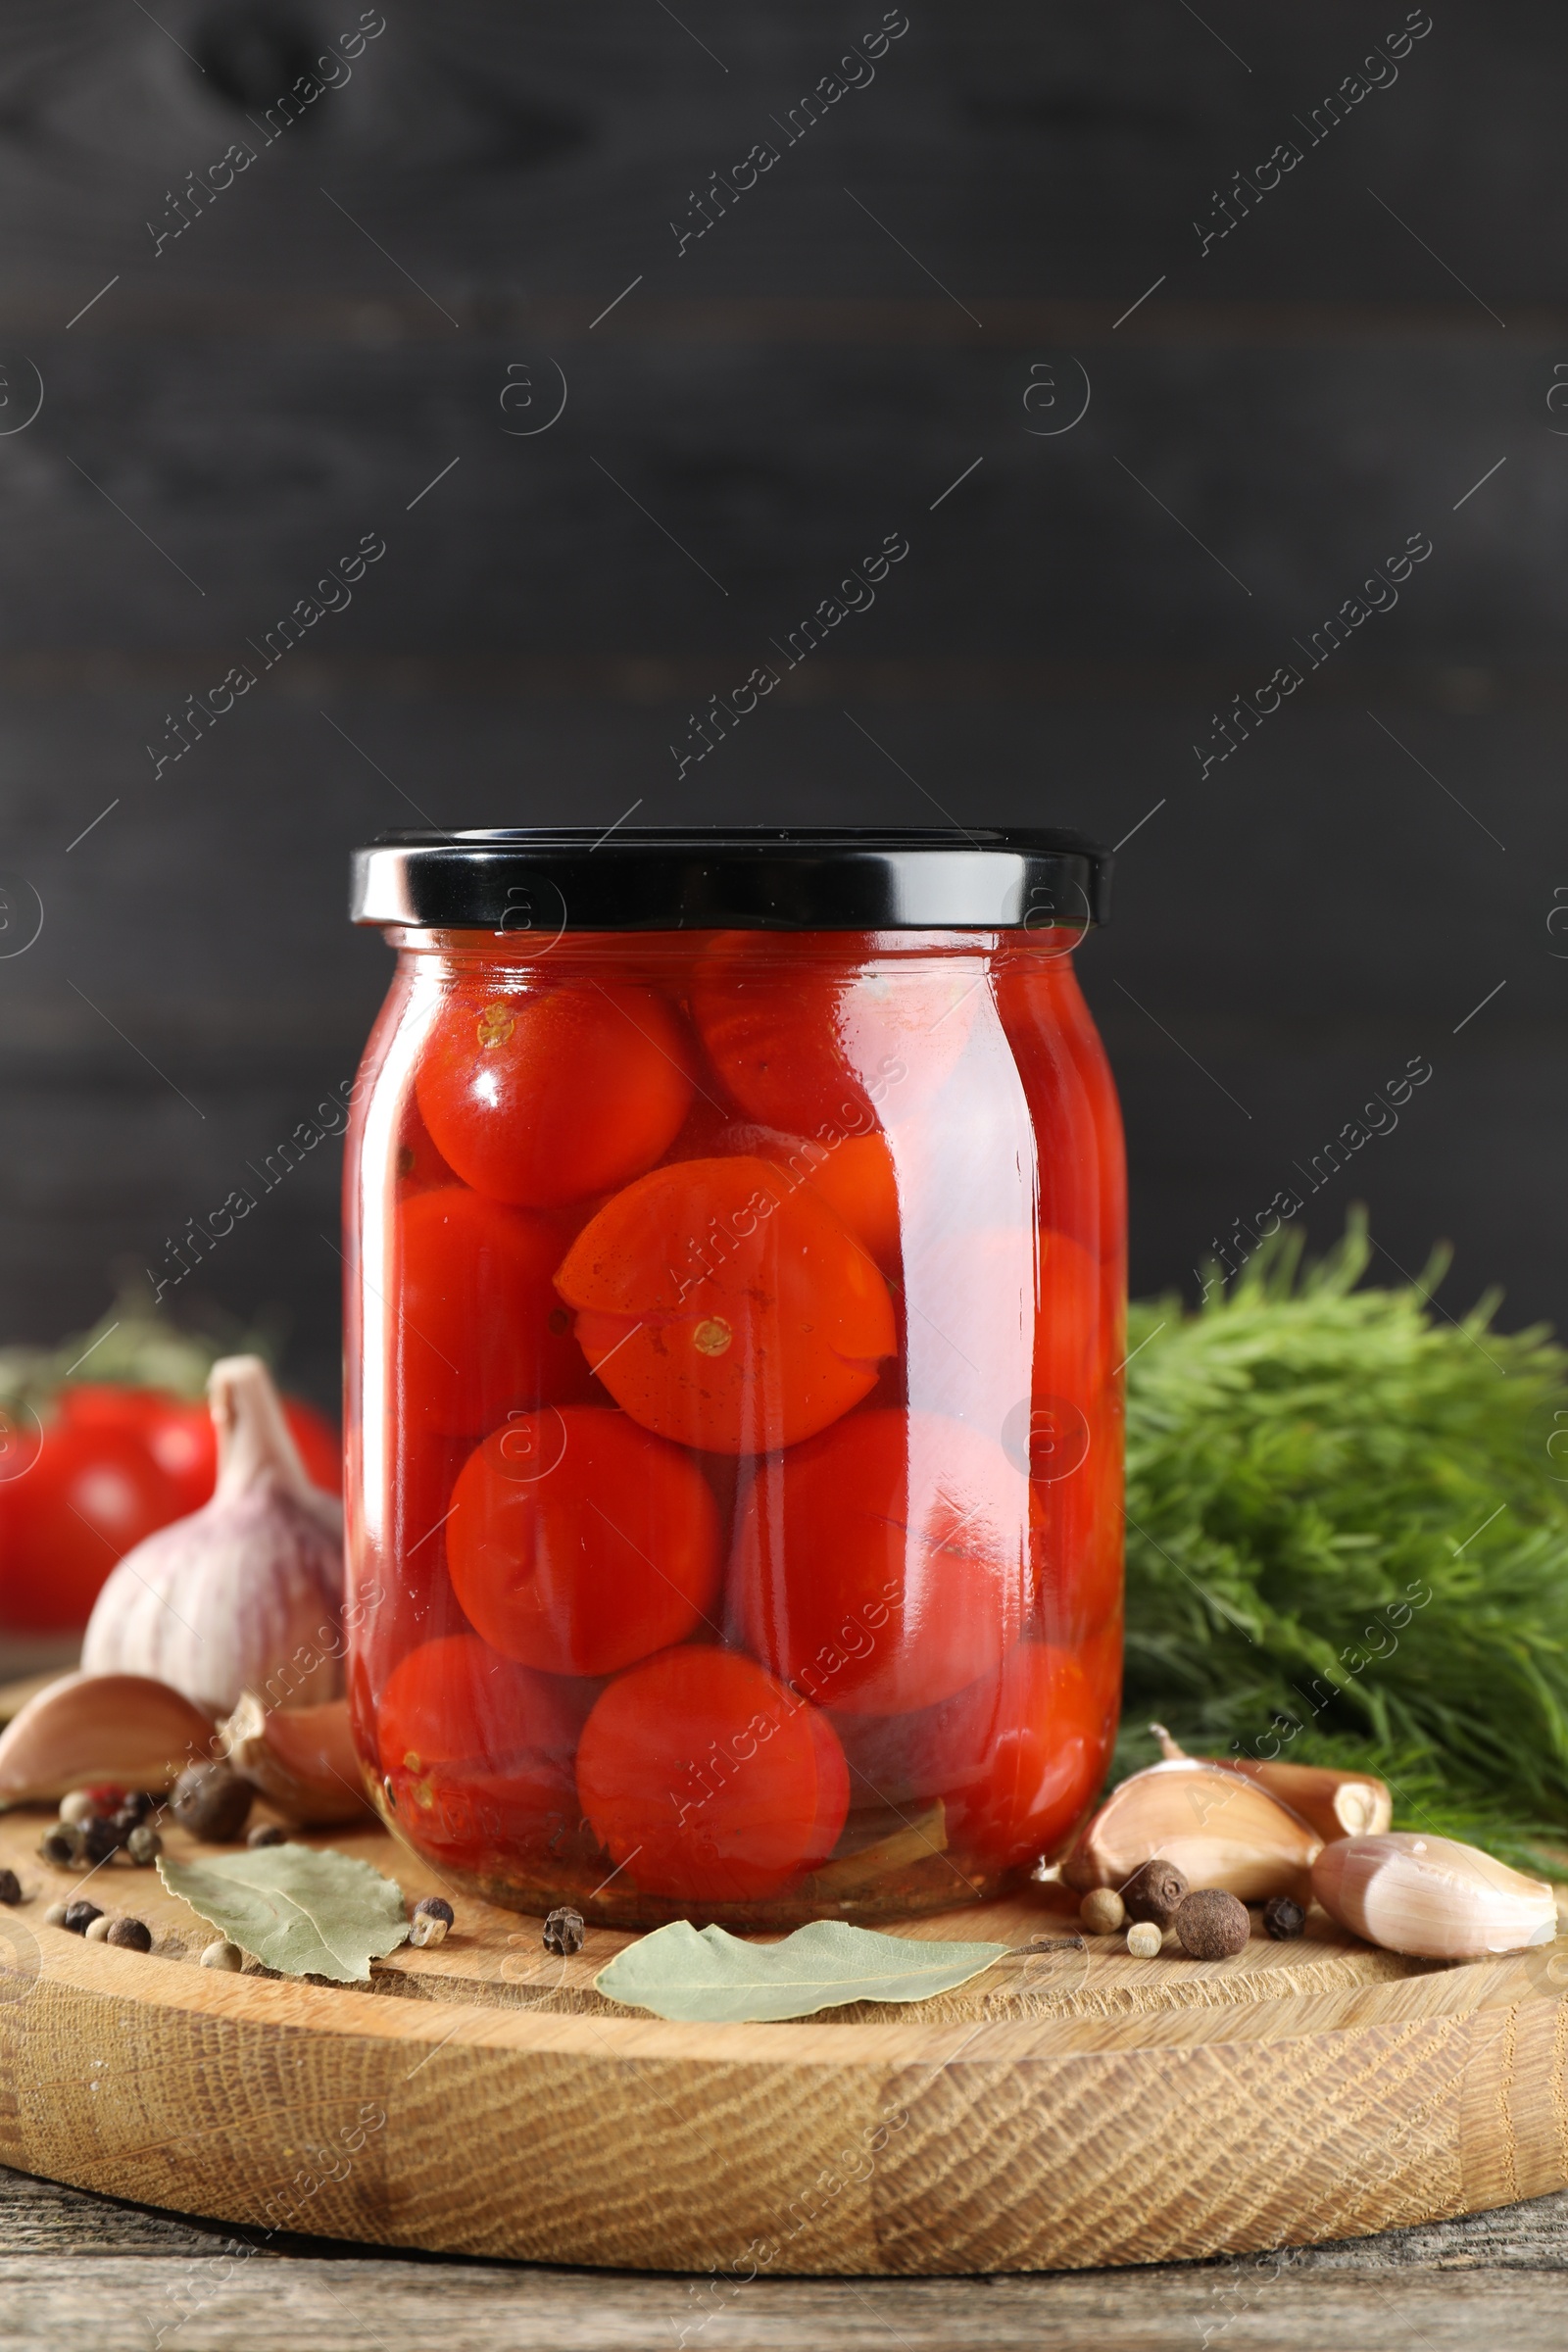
761,878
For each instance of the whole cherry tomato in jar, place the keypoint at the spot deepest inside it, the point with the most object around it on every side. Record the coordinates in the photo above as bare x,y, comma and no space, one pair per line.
538,1099
579,1543
727,1307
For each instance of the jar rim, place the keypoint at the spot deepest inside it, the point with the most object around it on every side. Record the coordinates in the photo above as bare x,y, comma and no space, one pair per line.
752,878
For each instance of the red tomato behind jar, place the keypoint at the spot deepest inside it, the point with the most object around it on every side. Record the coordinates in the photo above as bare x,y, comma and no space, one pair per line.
579,1543
480,1329
881,1566
115,1464
706,1782
1015,1758
90,1494
726,1306
807,1035
538,1099
178,1432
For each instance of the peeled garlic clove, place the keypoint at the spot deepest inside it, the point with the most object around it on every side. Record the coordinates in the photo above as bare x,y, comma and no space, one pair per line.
247,1592
121,1728
303,1758
1337,1804
1218,1828
1431,1898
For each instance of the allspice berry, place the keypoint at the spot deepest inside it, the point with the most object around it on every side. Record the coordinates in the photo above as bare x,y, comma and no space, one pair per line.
1143,1939
131,1936
1102,1911
1283,1919
564,1930
1211,1925
1154,1892
212,1802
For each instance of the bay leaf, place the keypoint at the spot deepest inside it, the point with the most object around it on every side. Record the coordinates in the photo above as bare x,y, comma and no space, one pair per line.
705,1977
303,1911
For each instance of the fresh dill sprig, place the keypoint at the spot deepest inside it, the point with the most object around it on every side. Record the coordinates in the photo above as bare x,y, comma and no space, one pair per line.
1347,1540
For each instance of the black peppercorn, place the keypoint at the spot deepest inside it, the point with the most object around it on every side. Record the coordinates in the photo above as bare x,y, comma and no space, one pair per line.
267,1833
564,1930
80,1914
9,1886
62,1845
1283,1919
130,1934
139,1805
1154,1892
101,1837
212,1802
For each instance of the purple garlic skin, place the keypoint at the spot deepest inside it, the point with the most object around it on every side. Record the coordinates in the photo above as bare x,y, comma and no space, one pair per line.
247,1592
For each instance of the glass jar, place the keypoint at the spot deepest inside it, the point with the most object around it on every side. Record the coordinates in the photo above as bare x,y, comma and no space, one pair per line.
736,1302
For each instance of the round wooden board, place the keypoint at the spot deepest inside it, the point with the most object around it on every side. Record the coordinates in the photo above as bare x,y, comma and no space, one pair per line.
1068,2109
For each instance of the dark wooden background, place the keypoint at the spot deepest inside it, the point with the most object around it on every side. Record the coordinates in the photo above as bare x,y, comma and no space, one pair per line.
238,408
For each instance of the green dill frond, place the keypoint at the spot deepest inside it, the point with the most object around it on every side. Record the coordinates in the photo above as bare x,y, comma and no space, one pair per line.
1345,1532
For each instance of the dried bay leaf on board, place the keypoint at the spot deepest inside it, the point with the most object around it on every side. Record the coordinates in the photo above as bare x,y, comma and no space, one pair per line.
707,1976
306,1913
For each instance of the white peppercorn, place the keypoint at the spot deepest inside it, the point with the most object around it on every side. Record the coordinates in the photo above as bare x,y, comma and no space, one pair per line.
1102,1911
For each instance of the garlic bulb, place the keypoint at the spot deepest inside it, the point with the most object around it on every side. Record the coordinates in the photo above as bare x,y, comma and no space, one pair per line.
1218,1828
1432,1897
247,1592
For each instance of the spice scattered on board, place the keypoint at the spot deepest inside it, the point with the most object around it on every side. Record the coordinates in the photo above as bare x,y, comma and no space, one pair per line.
564,1931
1211,1924
298,1910
1102,1911
432,1919
708,1977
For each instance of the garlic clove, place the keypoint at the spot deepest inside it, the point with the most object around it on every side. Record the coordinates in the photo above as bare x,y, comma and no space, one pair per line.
247,1592
86,1728
303,1758
1431,1898
1337,1804
1218,1828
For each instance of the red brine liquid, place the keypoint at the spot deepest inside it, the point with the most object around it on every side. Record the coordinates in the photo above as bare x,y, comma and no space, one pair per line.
735,1441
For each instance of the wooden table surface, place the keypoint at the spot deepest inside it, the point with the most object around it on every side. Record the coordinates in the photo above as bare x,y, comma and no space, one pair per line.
81,2270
